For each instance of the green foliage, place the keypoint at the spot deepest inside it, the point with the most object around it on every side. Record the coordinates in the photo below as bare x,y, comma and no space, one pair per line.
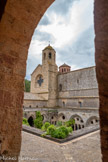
38,115
38,122
43,135
59,123
61,132
58,134
27,85
45,126
51,129
25,122
64,129
69,129
52,111
70,123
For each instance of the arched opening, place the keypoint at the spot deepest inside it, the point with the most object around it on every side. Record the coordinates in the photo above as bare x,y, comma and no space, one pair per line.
31,121
79,123
50,55
39,80
63,104
63,117
22,41
60,87
44,56
93,120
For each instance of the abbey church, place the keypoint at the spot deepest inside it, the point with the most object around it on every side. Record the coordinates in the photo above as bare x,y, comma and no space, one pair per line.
62,94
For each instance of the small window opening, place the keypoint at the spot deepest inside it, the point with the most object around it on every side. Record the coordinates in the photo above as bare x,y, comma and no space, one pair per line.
63,117
50,55
60,87
91,122
44,56
63,104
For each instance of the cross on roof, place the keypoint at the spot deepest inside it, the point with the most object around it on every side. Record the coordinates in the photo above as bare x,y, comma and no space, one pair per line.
40,81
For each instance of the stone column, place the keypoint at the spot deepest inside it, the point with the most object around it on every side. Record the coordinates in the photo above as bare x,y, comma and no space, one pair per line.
101,57
18,21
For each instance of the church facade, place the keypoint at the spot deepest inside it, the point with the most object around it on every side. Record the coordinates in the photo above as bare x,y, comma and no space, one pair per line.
64,94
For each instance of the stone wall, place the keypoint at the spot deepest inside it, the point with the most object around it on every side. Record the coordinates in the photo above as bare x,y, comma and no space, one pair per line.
82,79
79,89
34,103
17,24
18,21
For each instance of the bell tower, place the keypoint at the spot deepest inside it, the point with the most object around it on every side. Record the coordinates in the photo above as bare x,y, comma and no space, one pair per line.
49,65
48,56
44,77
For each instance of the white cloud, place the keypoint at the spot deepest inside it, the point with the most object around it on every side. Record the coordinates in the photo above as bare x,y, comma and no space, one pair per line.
65,30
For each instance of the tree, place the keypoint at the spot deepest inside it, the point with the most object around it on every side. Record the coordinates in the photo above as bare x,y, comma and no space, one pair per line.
27,85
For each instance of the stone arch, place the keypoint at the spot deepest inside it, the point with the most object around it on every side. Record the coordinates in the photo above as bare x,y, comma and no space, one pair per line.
92,120
44,117
79,122
53,119
30,121
61,117
17,23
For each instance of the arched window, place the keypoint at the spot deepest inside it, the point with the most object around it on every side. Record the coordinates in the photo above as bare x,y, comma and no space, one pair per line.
30,121
39,80
63,117
50,55
63,104
44,56
80,103
60,87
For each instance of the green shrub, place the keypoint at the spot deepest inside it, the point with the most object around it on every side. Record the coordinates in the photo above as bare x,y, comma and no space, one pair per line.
38,122
45,126
25,121
70,123
58,134
51,129
64,129
61,132
59,123
69,129
38,115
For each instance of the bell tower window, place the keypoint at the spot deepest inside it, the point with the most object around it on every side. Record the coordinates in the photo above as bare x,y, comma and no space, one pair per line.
50,55
44,56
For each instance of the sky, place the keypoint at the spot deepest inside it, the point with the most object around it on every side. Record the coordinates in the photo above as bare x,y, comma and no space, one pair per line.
69,26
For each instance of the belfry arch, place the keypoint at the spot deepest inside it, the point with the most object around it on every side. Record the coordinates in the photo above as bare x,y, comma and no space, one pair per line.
18,19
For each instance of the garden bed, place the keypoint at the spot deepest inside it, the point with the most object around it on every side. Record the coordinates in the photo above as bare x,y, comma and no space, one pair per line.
75,134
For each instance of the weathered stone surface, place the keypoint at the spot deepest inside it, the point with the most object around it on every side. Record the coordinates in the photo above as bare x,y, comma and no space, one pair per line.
18,22
101,55
84,149
33,10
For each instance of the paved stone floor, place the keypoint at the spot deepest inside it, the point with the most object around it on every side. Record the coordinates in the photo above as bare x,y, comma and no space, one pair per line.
83,149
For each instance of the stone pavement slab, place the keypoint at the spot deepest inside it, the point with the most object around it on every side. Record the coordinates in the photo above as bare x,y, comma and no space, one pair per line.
82,149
